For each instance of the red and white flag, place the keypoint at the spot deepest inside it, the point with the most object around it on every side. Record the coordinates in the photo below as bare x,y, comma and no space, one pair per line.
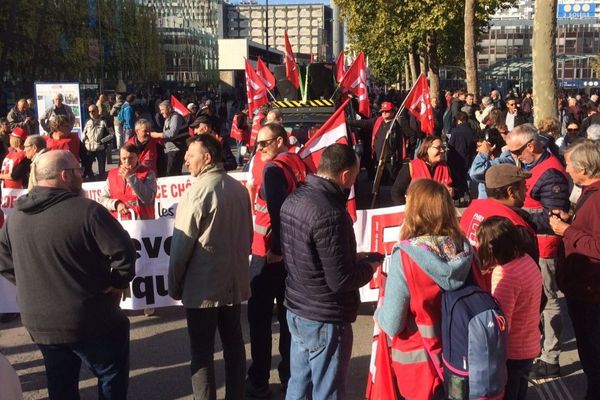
179,108
255,90
265,74
291,68
331,132
418,104
340,67
355,81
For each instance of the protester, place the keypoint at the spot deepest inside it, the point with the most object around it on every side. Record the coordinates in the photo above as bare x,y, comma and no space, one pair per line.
461,150
240,133
16,165
324,275
130,189
95,138
126,116
282,173
483,114
22,116
547,189
58,108
275,116
148,147
70,261
578,272
549,130
103,107
428,164
208,274
513,115
173,137
433,255
489,148
497,101
517,287
61,137
203,125
35,145
117,125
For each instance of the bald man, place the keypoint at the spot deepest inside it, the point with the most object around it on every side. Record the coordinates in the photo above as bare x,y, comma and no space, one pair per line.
70,260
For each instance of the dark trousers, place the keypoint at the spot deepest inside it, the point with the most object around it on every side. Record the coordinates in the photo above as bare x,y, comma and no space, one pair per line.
516,384
174,162
99,156
106,356
267,284
586,324
202,324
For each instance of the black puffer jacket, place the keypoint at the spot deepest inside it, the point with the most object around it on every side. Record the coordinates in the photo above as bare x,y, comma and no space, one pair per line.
319,250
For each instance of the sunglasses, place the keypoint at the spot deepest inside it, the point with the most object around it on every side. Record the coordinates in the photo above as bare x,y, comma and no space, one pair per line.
520,150
261,144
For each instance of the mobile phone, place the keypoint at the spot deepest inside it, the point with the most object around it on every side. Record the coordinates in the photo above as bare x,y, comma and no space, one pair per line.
374,257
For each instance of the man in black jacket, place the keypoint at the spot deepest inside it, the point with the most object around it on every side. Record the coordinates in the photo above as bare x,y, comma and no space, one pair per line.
324,275
70,260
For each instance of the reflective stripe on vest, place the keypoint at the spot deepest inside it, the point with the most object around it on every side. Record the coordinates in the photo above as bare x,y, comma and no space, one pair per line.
428,331
410,357
261,208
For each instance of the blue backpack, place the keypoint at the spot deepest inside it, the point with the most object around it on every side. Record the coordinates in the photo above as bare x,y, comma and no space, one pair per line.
474,343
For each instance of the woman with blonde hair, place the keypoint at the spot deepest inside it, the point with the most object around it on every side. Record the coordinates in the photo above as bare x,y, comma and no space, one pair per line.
432,255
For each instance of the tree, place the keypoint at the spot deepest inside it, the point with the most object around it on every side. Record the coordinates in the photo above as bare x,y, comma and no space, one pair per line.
470,58
544,59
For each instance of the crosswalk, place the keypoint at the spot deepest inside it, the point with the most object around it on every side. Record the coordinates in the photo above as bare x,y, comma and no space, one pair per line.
551,389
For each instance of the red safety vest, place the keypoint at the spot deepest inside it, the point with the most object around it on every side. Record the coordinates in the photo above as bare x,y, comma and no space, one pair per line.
71,143
149,155
12,159
120,190
417,351
376,127
547,243
419,170
294,170
239,134
256,125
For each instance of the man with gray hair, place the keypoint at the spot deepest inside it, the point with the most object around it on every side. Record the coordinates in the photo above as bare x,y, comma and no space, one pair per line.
174,135
482,115
35,145
593,132
70,260
58,108
579,272
547,189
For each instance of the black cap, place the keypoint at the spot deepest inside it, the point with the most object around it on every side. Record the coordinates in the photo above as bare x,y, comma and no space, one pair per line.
203,119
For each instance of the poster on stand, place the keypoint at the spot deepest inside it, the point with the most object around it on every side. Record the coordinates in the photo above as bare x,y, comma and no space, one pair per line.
44,94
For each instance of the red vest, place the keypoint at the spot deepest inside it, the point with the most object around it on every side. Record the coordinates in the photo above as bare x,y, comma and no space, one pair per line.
547,243
256,125
419,170
376,127
12,159
239,134
417,351
295,172
149,155
120,190
71,143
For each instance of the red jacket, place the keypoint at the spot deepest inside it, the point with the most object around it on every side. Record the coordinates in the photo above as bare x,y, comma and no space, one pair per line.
71,143
120,190
419,170
12,159
149,154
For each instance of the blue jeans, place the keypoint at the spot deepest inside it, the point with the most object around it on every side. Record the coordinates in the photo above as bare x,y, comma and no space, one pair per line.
319,358
106,356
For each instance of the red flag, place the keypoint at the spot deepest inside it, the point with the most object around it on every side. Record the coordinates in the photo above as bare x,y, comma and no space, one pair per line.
255,90
355,81
331,132
179,108
340,69
265,74
291,68
418,104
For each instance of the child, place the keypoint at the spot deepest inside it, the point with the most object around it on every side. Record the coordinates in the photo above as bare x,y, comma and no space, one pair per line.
517,286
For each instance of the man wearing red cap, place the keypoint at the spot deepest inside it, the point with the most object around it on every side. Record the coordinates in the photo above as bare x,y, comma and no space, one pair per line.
15,166
378,127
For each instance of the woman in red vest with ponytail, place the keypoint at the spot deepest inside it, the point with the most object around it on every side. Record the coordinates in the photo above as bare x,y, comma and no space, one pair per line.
429,164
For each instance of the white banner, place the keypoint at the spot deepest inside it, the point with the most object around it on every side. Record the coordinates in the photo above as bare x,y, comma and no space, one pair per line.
44,94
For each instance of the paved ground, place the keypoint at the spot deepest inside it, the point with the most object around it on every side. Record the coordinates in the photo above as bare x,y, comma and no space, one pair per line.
160,361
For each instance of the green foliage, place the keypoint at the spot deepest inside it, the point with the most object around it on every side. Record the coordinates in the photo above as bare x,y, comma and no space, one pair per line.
384,29
53,39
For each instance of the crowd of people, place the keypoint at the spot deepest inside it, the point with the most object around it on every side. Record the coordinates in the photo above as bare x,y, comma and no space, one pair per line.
530,229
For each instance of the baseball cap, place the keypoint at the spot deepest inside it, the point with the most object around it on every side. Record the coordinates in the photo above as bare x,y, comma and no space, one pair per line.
387,106
19,132
502,175
200,120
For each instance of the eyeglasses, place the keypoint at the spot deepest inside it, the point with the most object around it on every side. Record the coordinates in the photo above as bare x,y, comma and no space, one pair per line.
520,150
572,129
261,144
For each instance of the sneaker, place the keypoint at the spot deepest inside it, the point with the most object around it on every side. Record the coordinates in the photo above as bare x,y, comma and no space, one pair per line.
253,392
148,312
542,369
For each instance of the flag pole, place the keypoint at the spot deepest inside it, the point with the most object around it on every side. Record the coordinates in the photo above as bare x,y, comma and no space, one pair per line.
385,148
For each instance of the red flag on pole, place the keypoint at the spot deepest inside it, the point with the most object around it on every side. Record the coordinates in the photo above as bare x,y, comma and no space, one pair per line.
291,68
179,108
255,90
355,81
340,69
331,132
418,104
265,74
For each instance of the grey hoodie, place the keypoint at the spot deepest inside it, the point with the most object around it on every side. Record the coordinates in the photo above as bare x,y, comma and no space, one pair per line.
448,269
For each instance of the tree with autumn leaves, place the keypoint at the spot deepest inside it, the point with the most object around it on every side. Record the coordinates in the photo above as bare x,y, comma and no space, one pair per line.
406,37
